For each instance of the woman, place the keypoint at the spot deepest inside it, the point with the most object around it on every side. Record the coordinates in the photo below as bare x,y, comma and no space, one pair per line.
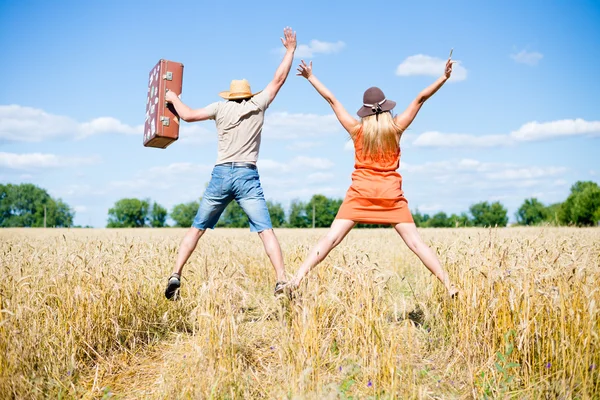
375,195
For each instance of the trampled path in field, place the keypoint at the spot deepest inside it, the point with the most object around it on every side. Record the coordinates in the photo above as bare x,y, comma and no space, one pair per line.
169,368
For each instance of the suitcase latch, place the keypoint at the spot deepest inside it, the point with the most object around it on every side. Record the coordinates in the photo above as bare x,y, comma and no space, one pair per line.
168,76
164,120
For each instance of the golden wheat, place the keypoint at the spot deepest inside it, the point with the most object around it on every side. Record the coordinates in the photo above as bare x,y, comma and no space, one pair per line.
83,316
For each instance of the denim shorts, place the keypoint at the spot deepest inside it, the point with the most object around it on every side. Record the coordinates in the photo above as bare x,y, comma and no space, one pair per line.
229,183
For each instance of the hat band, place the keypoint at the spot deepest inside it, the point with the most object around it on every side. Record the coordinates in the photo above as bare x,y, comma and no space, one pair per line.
375,104
376,107
240,93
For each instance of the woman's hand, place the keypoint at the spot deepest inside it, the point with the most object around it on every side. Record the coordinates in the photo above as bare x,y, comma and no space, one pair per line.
448,70
305,70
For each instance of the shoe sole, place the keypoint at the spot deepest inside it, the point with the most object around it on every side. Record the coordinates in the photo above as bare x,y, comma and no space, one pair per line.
172,289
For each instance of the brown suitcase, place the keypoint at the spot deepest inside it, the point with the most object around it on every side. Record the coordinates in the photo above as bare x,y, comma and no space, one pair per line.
162,122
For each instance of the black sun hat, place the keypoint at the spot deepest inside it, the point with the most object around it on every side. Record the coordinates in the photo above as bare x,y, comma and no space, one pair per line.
374,102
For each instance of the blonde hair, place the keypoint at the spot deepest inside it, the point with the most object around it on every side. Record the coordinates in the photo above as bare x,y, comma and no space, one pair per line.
380,134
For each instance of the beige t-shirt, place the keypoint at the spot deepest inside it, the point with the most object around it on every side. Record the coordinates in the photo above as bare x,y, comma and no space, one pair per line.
239,126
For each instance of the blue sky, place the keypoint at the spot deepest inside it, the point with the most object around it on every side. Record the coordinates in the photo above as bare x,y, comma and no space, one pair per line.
520,119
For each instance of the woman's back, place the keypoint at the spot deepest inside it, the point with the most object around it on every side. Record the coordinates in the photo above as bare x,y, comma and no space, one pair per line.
382,160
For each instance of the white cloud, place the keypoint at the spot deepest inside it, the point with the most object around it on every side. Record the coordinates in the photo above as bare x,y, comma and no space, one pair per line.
29,161
566,127
560,182
165,177
439,139
487,170
27,124
320,177
315,47
303,145
430,208
421,64
528,58
80,191
298,163
306,192
197,134
284,125
311,162
80,209
525,173
107,125
266,164
349,145
167,185
529,132
593,173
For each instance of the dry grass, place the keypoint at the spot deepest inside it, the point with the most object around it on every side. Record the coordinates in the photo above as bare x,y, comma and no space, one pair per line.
83,315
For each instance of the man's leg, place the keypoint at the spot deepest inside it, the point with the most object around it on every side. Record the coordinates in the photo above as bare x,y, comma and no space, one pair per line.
338,231
274,252
250,197
216,198
186,248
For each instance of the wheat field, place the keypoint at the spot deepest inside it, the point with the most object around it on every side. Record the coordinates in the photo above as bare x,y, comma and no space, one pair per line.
83,316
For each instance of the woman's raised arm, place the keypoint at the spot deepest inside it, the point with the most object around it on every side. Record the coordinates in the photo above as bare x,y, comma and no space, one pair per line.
348,122
407,117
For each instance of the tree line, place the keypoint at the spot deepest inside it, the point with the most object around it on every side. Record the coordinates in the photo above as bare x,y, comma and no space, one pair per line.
27,205
581,208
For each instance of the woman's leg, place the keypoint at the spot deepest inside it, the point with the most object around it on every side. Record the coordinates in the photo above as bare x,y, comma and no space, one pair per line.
338,231
410,235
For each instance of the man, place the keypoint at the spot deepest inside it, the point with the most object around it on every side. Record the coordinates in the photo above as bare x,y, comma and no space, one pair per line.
239,122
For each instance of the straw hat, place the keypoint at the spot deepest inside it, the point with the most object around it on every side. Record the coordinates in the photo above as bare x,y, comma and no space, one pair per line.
238,89
374,102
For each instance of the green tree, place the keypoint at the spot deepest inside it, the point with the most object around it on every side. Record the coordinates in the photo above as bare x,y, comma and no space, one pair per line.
552,213
233,217
486,214
24,206
158,216
128,213
277,214
582,207
183,214
325,210
420,219
440,220
298,217
461,220
532,212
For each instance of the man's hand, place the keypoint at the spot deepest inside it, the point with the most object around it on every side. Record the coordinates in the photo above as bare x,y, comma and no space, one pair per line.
290,39
305,70
170,96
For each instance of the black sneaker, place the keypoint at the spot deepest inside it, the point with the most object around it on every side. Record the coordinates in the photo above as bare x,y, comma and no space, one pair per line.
172,291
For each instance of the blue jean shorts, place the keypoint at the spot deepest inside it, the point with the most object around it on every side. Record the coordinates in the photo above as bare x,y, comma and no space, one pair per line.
230,183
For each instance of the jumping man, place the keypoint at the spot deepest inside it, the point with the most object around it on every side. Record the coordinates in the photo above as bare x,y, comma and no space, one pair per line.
239,122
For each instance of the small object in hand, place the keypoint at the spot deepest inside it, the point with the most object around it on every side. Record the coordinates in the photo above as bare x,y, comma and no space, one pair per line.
450,56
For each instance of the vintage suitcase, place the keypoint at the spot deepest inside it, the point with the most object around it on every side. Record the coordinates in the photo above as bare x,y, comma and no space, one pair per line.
162,122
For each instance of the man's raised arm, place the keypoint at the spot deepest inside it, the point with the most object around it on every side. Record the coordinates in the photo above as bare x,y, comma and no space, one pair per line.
289,42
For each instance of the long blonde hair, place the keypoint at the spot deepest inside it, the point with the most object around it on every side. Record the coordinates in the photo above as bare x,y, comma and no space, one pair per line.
380,134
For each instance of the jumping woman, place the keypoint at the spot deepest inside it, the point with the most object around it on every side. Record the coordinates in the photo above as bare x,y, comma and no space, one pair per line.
375,195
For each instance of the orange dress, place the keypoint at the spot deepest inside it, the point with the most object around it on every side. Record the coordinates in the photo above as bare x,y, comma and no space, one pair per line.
375,195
